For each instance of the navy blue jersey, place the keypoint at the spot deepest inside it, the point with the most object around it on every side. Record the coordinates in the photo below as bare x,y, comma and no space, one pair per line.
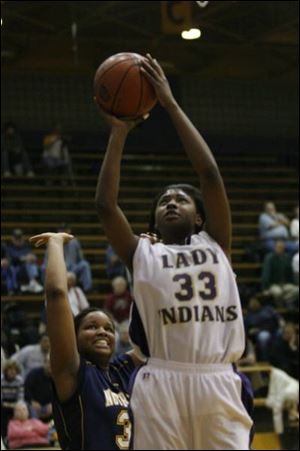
96,417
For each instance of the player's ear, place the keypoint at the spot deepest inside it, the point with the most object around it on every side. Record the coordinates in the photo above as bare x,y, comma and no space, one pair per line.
199,220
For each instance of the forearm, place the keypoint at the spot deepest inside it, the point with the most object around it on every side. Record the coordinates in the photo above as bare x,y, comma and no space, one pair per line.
195,146
107,190
56,275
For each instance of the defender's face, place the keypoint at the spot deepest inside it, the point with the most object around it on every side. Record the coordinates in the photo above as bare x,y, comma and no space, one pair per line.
96,336
176,209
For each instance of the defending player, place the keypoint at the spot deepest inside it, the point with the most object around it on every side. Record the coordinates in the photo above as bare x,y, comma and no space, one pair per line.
91,393
187,317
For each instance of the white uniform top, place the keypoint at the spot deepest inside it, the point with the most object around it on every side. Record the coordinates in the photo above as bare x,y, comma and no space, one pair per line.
187,306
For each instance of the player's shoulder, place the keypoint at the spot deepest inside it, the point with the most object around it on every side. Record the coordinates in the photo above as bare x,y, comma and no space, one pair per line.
202,237
122,361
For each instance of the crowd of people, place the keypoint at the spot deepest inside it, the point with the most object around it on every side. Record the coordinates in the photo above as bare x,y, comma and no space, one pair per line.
26,379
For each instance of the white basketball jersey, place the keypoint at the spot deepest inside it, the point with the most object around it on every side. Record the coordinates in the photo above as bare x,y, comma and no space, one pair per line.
187,306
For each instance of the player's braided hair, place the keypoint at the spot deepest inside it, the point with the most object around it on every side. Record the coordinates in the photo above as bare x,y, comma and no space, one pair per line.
193,192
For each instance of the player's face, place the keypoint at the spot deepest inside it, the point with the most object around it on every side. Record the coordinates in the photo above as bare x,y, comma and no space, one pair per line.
96,337
176,210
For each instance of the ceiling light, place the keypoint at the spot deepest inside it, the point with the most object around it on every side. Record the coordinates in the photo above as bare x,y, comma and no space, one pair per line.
193,33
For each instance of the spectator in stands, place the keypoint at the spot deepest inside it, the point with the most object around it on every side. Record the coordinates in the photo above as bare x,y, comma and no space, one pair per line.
274,226
277,277
25,431
249,357
114,266
295,267
38,391
75,261
56,156
20,256
119,301
14,157
76,296
3,356
294,226
261,323
42,328
12,390
285,350
32,356
283,394
123,343
8,273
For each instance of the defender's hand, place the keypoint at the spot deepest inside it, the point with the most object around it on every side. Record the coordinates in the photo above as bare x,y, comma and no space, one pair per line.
43,238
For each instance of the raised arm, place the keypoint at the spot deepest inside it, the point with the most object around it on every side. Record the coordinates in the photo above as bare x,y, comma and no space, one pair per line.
64,355
114,222
218,216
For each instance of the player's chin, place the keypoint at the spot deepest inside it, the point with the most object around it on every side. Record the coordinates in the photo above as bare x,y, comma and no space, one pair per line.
103,351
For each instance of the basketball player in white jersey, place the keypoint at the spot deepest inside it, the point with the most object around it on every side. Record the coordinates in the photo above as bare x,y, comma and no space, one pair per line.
187,319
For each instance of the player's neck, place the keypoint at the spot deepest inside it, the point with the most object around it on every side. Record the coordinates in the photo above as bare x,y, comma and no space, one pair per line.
181,240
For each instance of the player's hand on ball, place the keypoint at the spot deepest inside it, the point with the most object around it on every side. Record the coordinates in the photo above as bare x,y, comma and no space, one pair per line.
125,124
155,74
43,238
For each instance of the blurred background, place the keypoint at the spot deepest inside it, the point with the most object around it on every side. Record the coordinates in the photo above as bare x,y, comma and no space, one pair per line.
237,81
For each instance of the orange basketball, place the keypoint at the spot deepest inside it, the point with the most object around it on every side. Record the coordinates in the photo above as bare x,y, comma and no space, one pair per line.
120,87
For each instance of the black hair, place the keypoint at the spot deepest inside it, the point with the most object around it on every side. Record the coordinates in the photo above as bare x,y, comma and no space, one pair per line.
191,191
78,318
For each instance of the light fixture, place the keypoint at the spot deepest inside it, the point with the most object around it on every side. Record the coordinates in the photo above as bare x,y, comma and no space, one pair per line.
193,33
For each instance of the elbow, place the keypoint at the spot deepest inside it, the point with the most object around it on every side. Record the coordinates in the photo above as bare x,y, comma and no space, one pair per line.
100,204
55,293
211,172
103,207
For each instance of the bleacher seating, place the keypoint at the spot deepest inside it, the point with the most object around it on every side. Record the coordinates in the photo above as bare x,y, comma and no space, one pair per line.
42,203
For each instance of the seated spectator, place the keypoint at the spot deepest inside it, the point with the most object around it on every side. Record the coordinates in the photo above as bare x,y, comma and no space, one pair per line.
261,324
277,277
9,283
17,329
75,261
32,356
42,327
295,268
20,256
248,358
119,301
274,226
38,391
283,394
294,226
12,390
285,350
77,299
25,431
14,157
123,343
56,153
114,266
3,357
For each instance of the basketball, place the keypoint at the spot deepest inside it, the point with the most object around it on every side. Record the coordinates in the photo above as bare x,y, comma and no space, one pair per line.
120,87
